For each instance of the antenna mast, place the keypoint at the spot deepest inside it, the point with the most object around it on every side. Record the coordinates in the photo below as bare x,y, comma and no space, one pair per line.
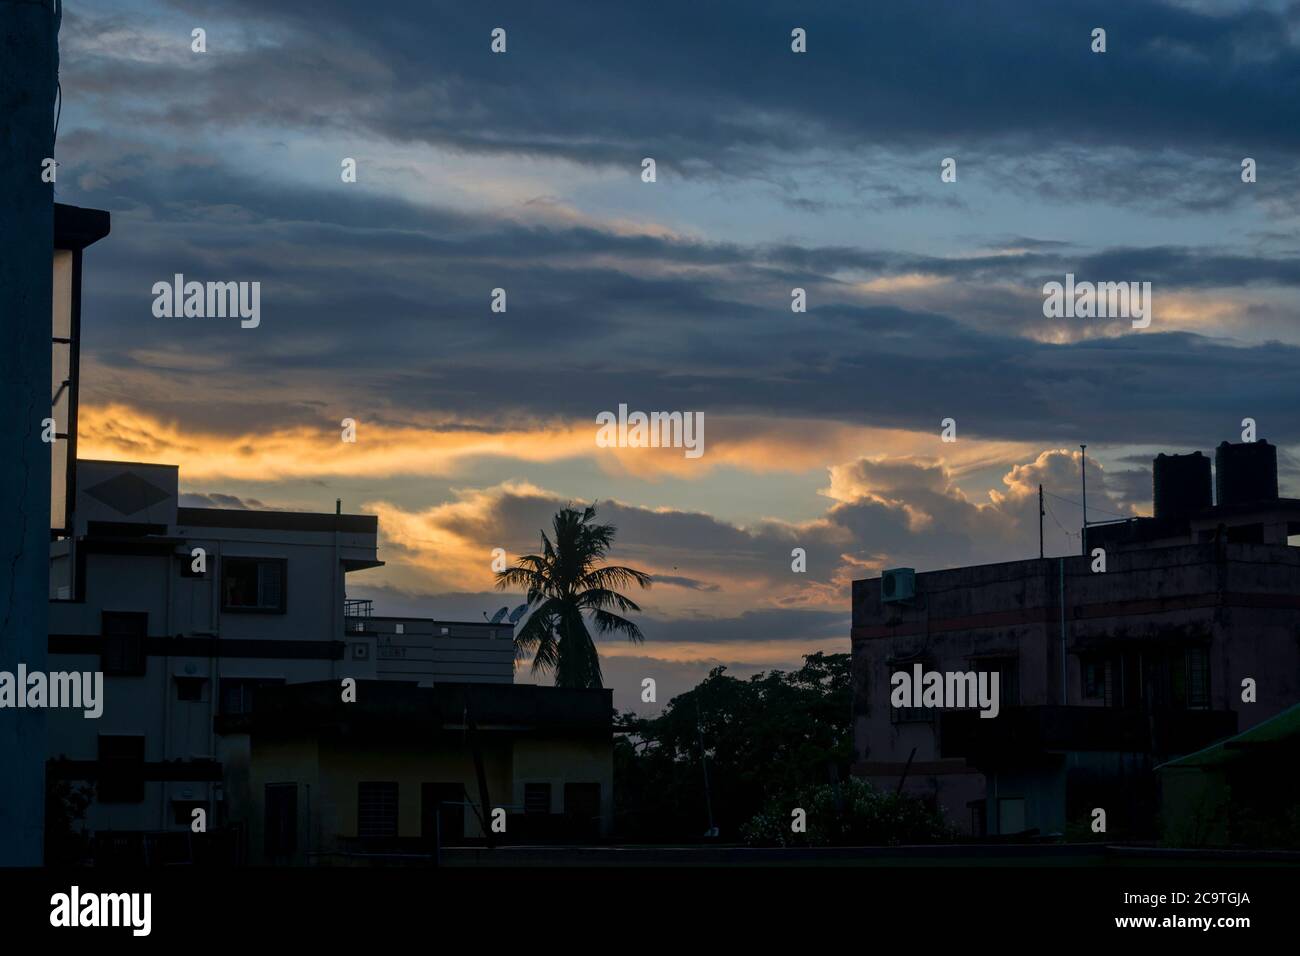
1040,521
1083,475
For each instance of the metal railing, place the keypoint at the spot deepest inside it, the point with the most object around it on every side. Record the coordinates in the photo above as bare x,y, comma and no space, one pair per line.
356,614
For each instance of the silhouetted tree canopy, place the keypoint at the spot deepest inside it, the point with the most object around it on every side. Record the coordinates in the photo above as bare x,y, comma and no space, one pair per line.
774,734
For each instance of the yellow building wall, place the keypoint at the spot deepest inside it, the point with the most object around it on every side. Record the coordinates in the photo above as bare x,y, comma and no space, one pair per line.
343,769
327,777
558,761
271,762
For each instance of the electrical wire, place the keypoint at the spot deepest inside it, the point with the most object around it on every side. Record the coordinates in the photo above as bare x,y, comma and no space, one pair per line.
1090,507
1072,534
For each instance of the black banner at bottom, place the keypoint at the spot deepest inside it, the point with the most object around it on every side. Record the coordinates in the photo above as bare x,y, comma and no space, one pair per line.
627,903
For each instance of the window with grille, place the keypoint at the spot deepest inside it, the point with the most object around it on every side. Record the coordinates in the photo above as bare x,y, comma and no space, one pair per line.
253,584
123,654
537,798
1008,671
376,810
238,693
909,715
1094,678
1198,678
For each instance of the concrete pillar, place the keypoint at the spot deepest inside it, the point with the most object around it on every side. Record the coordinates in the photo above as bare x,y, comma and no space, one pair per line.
28,68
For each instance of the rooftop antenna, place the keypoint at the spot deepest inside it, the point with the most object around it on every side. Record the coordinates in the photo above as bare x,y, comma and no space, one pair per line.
1083,475
1040,521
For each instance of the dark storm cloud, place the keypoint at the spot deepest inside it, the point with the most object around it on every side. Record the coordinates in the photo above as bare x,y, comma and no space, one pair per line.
764,624
219,500
595,80
235,218
691,584
1133,486
389,312
713,89
1183,268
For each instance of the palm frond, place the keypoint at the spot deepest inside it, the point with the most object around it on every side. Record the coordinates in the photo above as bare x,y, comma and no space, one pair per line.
607,623
563,584
614,576
537,627
603,599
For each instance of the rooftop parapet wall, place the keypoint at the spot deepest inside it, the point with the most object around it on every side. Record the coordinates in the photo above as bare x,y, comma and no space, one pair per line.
395,707
1163,574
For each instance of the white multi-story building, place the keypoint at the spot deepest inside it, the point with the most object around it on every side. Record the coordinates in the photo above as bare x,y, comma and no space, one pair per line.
188,612
192,615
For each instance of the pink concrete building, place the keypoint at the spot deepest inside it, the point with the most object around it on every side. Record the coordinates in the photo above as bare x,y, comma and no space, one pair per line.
1191,634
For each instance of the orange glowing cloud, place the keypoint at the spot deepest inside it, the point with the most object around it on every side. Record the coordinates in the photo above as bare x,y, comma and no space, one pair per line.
898,500
118,431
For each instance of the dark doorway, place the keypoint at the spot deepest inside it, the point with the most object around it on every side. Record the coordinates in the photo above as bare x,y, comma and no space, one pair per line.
582,810
281,824
442,813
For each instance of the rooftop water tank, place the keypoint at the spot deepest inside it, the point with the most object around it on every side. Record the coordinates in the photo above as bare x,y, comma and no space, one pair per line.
1180,485
1245,472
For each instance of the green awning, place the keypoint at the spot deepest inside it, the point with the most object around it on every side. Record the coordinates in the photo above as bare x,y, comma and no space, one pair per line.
1278,728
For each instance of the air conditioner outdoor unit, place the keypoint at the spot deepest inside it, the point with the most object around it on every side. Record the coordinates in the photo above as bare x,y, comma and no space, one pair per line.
897,584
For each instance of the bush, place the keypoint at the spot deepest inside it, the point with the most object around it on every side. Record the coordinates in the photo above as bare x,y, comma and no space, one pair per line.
66,843
853,813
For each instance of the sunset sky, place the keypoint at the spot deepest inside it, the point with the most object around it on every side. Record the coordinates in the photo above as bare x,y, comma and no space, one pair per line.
775,170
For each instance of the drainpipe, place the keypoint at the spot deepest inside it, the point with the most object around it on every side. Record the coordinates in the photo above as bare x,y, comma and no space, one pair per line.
29,63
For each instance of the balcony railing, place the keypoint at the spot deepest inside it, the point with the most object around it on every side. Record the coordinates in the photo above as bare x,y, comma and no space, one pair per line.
1020,733
356,614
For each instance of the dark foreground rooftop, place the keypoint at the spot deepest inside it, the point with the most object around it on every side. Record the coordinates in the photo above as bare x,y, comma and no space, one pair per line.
398,707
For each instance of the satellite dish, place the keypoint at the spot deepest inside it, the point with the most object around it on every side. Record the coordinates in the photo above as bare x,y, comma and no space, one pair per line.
499,616
517,613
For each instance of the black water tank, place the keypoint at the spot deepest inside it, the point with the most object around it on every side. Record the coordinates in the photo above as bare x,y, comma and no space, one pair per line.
1245,472
1180,485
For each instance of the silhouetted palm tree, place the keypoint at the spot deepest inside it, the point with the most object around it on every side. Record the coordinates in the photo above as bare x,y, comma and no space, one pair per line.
563,586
